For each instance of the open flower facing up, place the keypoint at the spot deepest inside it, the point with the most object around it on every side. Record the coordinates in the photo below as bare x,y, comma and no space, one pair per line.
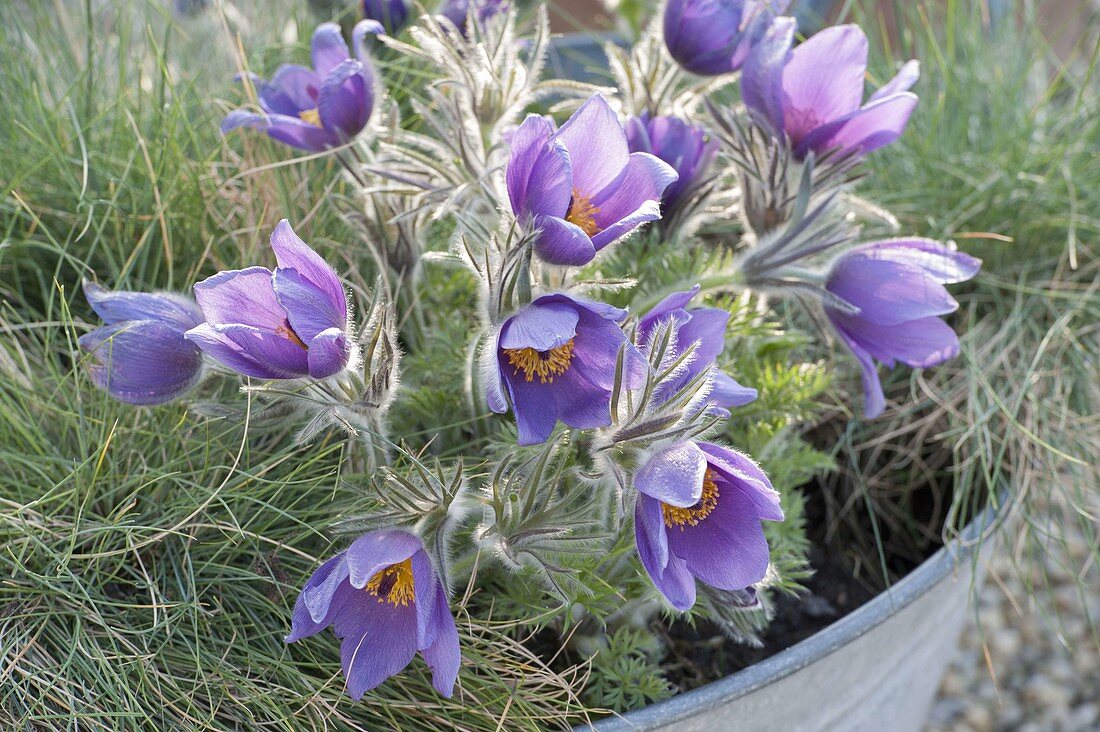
814,94
698,517
898,286
556,360
712,37
392,14
319,108
141,356
688,148
580,186
705,329
285,324
384,602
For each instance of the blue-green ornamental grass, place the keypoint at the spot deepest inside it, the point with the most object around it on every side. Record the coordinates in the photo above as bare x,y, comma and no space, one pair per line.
515,468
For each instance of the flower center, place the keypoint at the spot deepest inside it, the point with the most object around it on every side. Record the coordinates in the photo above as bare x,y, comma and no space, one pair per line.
287,332
692,515
582,213
394,584
310,116
543,364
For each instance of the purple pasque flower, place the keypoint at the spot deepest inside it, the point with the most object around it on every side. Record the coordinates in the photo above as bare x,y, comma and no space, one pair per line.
712,37
392,14
698,518
898,286
580,186
457,11
384,602
705,329
688,148
285,324
319,108
556,360
140,355
814,94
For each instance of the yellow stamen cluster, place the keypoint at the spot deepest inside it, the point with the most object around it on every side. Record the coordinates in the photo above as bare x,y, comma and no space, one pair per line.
543,364
692,515
394,584
310,116
287,332
582,213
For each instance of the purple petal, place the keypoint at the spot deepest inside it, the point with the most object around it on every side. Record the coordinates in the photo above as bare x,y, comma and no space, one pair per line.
142,362
942,263
903,81
359,33
747,477
632,199
578,402
918,343
887,292
328,353
672,303
309,310
536,412
314,608
292,253
728,393
292,90
876,125
379,640
668,573
596,144
561,242
251,351
726,550
425,587
328,48
823,80
541,325
242,296
121,305
874,401
762,74
674,474
443,656
706,329
241,118
596,352
223,350
371,553
539,174
346,99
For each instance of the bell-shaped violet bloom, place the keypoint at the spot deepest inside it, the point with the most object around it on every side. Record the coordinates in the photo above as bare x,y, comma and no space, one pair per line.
285,324
580,186
698,518
705,330
392,14
688,148
556,360
141,356
319,108
713,37
898,286
457,11
814,94
384,602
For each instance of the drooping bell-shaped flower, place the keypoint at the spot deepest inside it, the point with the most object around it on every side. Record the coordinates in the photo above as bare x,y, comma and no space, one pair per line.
814,93
385,603
698,518
319,108
580,187
898,286
140,355
688,148
286,324
392,14
555,360
712,37
703,329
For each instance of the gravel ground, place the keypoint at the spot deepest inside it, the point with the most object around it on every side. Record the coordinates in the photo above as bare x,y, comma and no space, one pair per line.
1044,657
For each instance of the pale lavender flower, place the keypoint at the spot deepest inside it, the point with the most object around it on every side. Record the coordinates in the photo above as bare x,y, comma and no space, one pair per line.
712,37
